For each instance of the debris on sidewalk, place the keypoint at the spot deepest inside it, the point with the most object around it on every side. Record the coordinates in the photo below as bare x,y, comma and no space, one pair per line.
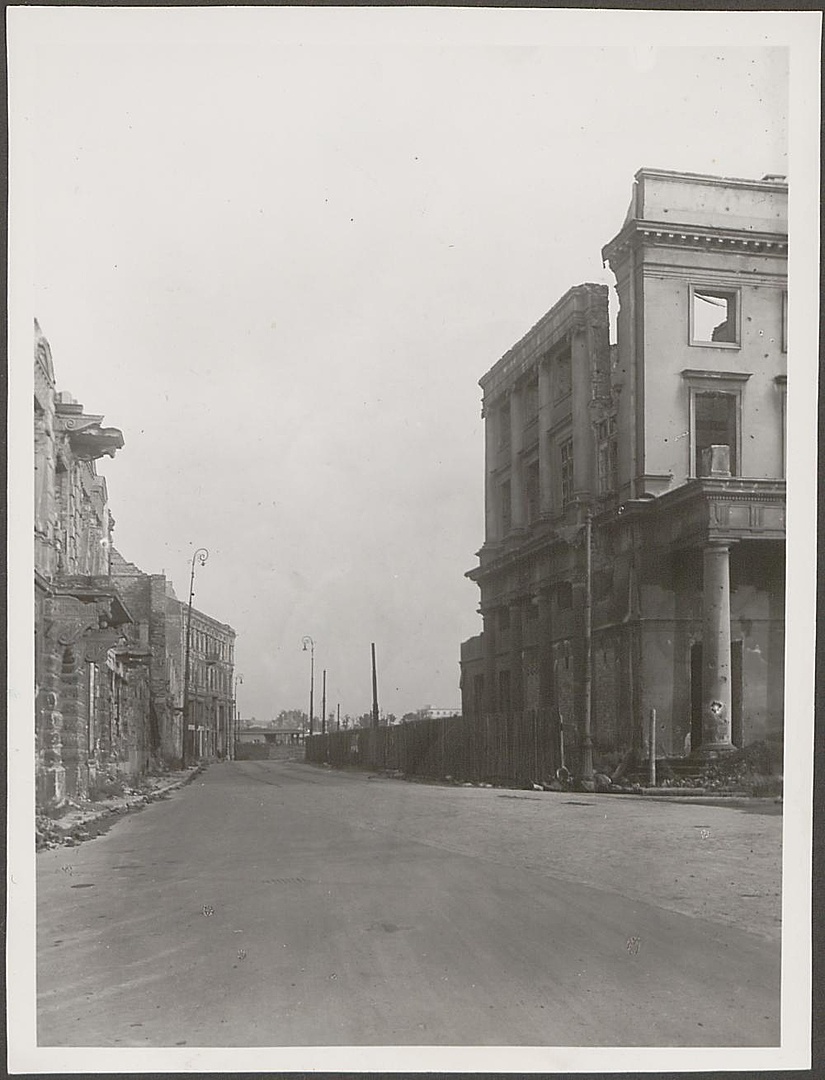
78,820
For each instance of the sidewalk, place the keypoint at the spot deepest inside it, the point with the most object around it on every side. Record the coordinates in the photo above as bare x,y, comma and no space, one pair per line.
85,819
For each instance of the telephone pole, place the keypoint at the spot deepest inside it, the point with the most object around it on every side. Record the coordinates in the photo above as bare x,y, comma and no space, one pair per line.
324,704
374,691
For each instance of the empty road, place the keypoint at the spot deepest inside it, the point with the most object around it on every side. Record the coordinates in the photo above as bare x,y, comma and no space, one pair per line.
280,904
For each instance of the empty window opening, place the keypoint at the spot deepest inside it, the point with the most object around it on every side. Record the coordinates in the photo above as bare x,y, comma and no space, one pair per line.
714,317
715,418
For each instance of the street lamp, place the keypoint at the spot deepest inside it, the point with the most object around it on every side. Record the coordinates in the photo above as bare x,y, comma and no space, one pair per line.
307,640
238,679
200,555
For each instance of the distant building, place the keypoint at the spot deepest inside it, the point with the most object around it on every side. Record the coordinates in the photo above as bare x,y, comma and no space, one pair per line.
672,444
160,626
211,687
429,713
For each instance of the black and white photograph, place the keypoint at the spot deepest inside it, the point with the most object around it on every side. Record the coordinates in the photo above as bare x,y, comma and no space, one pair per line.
418,669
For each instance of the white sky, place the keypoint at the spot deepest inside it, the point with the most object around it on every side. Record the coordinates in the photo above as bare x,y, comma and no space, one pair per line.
280,264
278,247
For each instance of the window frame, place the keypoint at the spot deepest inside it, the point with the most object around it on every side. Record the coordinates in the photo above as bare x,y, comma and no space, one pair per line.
711,289
714,382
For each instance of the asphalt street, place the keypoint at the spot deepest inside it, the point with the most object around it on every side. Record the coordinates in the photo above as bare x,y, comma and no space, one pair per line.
281,904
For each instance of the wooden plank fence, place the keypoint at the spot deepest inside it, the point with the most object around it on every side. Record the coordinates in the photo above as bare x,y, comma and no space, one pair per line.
516,748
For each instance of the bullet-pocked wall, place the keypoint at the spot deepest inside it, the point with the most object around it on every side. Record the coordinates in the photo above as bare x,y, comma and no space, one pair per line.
671,442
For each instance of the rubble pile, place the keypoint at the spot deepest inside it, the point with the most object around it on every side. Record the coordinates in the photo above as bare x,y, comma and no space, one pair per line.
77,820
754,770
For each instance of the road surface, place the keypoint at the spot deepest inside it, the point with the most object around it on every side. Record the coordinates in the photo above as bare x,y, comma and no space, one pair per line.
281,904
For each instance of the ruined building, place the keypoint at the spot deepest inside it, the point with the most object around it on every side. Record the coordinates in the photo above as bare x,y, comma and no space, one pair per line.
109,639
91,688
634,550
159,625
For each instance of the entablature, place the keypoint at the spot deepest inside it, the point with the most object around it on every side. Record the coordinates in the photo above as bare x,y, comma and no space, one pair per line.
711,509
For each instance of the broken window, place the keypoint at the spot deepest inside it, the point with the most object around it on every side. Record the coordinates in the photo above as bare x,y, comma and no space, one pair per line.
563,374
714,316
715,419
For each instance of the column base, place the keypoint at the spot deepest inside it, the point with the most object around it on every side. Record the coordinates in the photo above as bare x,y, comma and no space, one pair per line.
711,752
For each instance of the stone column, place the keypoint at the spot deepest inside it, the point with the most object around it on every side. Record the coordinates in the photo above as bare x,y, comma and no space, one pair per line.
716,663
516,657
516,447
545,472
490,672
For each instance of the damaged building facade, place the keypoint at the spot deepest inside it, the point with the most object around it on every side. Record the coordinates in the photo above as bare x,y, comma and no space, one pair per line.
634,550
109,640
159,625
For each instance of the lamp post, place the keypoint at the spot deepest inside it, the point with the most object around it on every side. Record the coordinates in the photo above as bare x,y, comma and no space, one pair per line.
307,640
238,679
200,555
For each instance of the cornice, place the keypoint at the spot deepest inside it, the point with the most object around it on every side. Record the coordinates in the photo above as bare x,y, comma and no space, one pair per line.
581,308
696,237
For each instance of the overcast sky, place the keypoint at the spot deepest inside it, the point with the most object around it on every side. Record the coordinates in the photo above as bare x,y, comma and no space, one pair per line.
279,259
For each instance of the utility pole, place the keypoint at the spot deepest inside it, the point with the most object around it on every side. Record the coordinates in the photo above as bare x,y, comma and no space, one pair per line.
338,721
307,640
587,742
324,704
374,691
